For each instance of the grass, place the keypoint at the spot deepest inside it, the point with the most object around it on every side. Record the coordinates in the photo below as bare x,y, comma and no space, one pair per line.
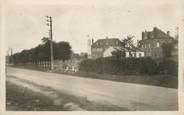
18,99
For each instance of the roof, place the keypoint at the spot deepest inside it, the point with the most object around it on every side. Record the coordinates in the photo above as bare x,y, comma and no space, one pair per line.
128,49
157,33
107,42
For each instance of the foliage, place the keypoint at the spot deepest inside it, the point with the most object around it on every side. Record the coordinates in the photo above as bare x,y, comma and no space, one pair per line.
167,66
128,42
119,66
167,49
128,66
126,45
118,54
62,51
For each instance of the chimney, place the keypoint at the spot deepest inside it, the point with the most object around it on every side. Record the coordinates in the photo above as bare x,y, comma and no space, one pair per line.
168,33
92,40
154,28
143,36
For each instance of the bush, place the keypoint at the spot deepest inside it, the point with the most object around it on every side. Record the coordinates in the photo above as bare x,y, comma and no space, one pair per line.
119,66
168,67
129,66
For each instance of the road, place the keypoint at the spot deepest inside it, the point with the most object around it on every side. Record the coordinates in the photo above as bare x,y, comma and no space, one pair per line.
125,95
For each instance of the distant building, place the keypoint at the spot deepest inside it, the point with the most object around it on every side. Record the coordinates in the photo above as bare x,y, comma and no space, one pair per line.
136,53
99,48
174,52
152,42
105,47
89,43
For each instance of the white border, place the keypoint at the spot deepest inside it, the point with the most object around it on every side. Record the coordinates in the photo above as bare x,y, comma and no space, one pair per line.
115,2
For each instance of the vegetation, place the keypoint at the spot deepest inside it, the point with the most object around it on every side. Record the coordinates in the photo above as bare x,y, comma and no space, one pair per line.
168,48
133,70
129,66
62,51
127,44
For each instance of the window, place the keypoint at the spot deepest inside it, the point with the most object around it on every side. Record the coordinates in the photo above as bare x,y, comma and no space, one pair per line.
140,55
158,44
149,45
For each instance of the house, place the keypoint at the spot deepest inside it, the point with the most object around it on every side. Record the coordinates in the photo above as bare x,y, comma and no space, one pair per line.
105,47
152,42
108,51
100,48
136,53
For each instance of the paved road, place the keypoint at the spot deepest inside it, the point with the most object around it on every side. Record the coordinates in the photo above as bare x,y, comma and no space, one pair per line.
125,95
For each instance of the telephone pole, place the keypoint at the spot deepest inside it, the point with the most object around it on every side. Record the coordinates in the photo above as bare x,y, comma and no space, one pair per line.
11,55
49,23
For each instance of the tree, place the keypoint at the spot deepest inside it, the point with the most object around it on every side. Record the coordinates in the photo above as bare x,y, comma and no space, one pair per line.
45,40
167,49
128,42
126,45
62,50
118,54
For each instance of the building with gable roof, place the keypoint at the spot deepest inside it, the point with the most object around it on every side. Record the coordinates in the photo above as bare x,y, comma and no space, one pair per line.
101,45
105,47
152,42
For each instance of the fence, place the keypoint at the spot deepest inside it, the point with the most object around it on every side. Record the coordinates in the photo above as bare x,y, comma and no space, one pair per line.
41,64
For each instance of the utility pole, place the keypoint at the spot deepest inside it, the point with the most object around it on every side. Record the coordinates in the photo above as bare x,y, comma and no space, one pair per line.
11,55
177,32
49,23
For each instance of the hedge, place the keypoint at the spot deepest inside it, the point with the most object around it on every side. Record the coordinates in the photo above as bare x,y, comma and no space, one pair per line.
130,66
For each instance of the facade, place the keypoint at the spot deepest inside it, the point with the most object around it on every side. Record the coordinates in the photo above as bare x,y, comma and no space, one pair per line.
133,53
99,48
105,47
152,42
136,54
174,53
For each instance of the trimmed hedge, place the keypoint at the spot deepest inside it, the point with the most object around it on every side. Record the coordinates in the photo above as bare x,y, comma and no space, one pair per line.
128,66
168,67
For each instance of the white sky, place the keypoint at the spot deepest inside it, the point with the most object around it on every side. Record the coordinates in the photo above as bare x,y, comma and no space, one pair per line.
25,23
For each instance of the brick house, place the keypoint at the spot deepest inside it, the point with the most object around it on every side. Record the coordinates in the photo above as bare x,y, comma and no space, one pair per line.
152,42
101,45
